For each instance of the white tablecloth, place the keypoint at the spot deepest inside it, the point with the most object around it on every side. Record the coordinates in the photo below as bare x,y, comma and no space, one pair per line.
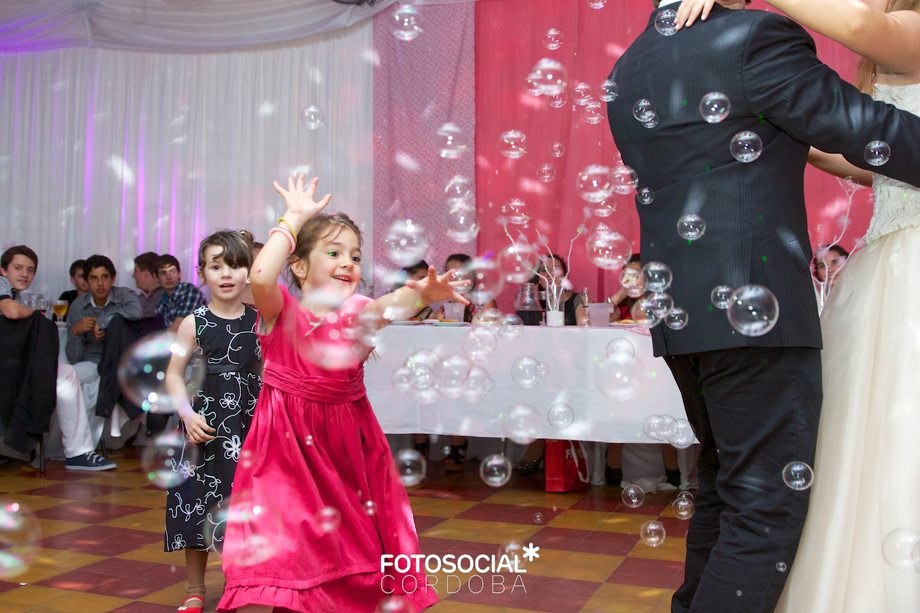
572,354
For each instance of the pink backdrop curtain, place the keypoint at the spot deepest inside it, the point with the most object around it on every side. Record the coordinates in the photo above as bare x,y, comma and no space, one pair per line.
509,41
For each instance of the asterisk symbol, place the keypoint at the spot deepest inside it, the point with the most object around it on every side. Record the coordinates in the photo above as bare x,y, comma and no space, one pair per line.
530,552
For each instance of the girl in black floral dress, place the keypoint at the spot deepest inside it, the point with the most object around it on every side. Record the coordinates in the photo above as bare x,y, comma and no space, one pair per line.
223,336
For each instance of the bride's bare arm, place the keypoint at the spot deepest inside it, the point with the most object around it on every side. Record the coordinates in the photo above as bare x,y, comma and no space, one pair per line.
835,164
891,40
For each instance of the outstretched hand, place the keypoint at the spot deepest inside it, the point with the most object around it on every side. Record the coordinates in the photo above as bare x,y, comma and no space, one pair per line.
689,10
299,201
435,288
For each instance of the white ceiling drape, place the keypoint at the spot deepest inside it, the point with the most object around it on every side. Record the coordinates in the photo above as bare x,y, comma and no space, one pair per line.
174,26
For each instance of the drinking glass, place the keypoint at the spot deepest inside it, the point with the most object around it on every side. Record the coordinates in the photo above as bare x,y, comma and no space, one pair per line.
60,311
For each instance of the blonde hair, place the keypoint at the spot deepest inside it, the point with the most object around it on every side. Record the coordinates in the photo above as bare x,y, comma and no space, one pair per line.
866,68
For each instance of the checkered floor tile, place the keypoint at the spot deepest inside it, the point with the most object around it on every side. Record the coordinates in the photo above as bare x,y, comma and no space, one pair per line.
102,544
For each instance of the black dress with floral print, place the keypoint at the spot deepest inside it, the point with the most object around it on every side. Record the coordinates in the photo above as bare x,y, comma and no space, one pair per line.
196,509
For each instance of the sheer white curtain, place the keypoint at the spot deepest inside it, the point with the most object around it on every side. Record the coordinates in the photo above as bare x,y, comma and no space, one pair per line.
118,152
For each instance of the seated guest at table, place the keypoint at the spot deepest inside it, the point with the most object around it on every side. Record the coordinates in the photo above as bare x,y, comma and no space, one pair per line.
457,261
90,314
179,299
416,272
827,264
17,267
79,283
621,302
148,284
613,474
555,271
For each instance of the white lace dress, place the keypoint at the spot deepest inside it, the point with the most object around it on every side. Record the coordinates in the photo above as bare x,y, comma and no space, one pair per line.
867,471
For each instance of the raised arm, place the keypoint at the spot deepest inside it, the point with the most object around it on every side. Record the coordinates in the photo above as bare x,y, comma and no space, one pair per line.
263,278
835,164
891,40
416,295
787,84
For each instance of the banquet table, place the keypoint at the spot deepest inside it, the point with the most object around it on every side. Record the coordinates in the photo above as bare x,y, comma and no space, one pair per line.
573,355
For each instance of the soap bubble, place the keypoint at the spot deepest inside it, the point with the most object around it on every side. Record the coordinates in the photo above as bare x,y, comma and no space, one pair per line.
512,144
608,249
659,303
631,282
683,508
595,183
560,416
461,223
532,85
753,310
558,101
521,423
721,296
653,427
798,475
518,262
406,23
556,150
683,436
491,319
676,318
458,190
597,4
394,604
477,385
652,532
546,173
517,211
898,548
142,371
488,281
406,242
463,278
449,379
542,370
538,518
877,153
168,460
328,519
746,147
633,496
423,365
512,327
651,122
426,396
451,141
645,196
524,372
656,277
312,117
615,381
620,351
550,75
401,379
552,40
20,533
639,313
603,209
781,567
643,110
691,227
478,343
582,94
254,530
666,23
609,91
411,467
625,180
593,112
495,470
714,107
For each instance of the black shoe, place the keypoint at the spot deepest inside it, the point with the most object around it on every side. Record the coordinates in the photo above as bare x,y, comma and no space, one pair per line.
456,457
613,476
673,477
527,468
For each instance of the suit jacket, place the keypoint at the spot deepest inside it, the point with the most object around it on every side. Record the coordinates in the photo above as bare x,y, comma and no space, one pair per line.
757,232
28,379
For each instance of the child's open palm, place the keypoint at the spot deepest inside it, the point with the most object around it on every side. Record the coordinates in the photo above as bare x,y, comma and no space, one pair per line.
435,288
300,203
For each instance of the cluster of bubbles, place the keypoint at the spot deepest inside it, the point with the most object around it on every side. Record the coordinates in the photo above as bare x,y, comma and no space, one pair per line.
677,432
142,372
425,377
527,372
901,550
20,532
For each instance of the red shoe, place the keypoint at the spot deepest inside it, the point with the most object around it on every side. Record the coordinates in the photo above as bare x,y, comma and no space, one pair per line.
186,607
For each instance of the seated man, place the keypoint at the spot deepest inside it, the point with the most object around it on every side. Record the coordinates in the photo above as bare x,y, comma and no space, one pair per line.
79,283
145,277
180,299
17,267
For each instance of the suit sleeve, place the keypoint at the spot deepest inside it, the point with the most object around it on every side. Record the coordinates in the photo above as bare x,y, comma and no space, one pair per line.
788,86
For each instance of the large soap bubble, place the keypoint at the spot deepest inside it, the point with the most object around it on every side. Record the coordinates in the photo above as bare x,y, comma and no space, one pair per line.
512,144
753,310
608,249
142,372
715,107
550,76
406,242
595,183
20,532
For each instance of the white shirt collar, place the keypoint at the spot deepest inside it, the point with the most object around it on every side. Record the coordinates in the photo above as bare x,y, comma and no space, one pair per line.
664,3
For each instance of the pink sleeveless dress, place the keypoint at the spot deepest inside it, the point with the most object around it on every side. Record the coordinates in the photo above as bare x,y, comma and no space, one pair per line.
315,444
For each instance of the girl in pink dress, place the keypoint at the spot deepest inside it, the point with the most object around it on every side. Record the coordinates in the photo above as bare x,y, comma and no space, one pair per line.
316,499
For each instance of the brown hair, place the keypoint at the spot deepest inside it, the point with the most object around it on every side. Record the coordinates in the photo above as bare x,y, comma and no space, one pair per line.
7,258
866,68
316,228
146,262
166,260
236,248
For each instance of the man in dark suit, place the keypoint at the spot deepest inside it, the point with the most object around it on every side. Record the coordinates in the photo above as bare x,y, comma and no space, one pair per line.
754,401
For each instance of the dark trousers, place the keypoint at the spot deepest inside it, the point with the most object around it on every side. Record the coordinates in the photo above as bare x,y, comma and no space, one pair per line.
754,410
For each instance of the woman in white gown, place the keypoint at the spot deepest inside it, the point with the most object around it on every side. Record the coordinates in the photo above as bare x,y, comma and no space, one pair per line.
867,469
